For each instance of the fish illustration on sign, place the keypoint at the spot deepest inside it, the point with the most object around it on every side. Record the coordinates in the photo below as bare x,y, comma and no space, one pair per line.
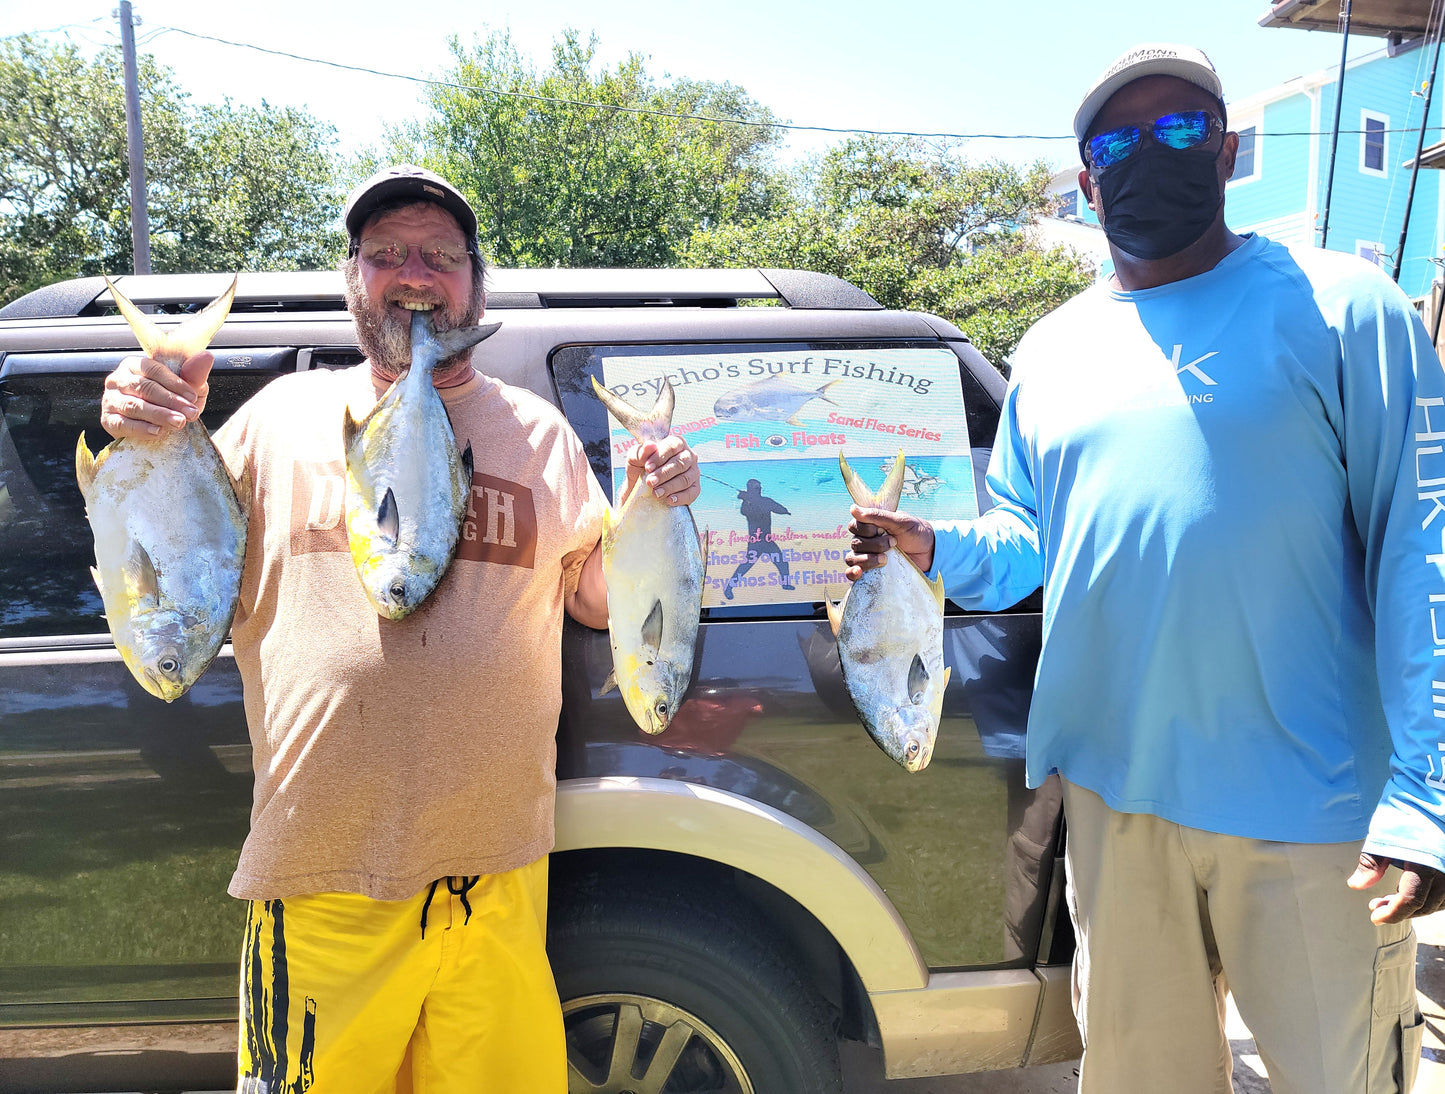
890,641
772,399
407,486
652,560
169,527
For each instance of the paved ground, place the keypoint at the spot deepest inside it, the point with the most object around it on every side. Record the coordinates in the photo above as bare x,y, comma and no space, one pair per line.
863,1067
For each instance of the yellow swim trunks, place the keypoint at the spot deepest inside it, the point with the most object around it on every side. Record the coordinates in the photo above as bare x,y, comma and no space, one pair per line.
449,991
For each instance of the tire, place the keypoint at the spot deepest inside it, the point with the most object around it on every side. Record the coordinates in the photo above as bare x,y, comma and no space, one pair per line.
664,994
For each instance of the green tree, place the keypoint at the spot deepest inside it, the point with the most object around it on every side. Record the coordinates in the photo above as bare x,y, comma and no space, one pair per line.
556,182
228,187
917,227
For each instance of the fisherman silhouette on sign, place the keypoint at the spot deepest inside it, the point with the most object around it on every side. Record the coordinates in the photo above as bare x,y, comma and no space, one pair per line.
758,509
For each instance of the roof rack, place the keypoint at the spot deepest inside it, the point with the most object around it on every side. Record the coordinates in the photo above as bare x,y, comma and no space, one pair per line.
311,291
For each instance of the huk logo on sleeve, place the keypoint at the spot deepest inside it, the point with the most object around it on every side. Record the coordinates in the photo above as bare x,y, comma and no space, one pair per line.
318,507
501,523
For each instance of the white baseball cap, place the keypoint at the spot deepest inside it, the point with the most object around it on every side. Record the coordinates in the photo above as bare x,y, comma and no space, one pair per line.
1148,59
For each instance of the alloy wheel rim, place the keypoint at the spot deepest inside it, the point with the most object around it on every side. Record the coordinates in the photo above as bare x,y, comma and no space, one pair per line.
620,1043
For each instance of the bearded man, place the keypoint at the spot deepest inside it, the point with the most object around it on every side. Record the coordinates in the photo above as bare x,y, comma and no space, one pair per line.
1223,464
396,866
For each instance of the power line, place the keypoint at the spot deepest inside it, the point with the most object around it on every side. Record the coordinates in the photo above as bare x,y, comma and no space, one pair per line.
157,30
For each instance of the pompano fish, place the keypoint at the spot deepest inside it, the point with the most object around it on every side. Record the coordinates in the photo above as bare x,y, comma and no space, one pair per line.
170,532
773,399
653,562
407,486
890,642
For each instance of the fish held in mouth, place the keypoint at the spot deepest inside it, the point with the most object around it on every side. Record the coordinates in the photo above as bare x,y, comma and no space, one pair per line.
407,484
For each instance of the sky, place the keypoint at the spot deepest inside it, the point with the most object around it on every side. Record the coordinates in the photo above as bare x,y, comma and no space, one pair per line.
952,66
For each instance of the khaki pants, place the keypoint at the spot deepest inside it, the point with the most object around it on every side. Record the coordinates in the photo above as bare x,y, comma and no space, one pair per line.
1170,918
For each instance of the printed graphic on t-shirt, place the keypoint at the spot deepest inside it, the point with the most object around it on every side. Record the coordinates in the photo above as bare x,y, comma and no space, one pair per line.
501,524
318,507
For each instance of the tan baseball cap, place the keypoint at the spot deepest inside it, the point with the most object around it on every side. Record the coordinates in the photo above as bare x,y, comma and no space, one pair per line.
1148,59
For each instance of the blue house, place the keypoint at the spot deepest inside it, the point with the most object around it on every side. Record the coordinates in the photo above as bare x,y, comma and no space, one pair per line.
1281,176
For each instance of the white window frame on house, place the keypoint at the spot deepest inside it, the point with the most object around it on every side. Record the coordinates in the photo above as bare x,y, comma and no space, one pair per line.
1371,251
1240,125
1383,170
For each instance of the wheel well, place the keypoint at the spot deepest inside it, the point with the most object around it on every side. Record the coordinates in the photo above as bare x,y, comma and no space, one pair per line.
591,875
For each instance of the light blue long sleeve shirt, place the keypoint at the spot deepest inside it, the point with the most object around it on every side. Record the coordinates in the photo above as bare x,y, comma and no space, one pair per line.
1232,489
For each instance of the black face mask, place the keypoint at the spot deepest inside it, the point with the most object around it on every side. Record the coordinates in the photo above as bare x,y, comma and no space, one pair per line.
1159,200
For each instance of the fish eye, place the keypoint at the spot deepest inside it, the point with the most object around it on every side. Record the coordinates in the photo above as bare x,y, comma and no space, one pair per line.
168,665
916,698
662,706
912,749
398,591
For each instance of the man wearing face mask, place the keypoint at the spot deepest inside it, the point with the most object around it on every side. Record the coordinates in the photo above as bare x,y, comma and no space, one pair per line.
1226,467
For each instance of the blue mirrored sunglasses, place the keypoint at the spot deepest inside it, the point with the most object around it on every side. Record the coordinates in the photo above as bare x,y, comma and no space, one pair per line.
1182,129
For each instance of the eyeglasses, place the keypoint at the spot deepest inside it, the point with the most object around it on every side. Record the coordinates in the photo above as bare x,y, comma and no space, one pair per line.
391,254
1180,130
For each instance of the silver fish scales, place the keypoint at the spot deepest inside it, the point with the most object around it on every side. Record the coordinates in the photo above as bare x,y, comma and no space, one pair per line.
890,641
407,486
654,566
169,529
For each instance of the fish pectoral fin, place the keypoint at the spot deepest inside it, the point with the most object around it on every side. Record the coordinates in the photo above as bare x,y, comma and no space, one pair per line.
917,680
387,521
795,421
468,462
610,684
95,576
652,629
84,465
835,613
702,542
140,576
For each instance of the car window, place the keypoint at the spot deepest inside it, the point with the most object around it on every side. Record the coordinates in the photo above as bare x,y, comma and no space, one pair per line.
768,423
46,549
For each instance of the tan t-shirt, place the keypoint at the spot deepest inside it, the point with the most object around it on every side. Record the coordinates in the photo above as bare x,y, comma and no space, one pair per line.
391,754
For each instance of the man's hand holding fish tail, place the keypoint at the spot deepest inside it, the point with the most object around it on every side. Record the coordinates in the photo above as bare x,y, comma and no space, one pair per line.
143,397
669,469
875,531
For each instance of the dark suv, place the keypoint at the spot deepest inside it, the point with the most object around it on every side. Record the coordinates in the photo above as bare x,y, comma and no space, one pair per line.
728,898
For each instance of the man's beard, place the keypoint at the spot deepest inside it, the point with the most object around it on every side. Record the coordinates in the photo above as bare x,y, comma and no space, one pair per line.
385,339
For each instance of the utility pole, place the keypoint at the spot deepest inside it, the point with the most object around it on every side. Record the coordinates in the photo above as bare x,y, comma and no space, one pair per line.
1339,102
140,229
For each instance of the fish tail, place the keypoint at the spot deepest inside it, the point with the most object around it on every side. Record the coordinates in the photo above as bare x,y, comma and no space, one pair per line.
652,426
887,495
172,347
823,391
454,341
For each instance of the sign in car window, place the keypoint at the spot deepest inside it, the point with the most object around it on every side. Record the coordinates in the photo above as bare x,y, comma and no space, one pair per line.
768,429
